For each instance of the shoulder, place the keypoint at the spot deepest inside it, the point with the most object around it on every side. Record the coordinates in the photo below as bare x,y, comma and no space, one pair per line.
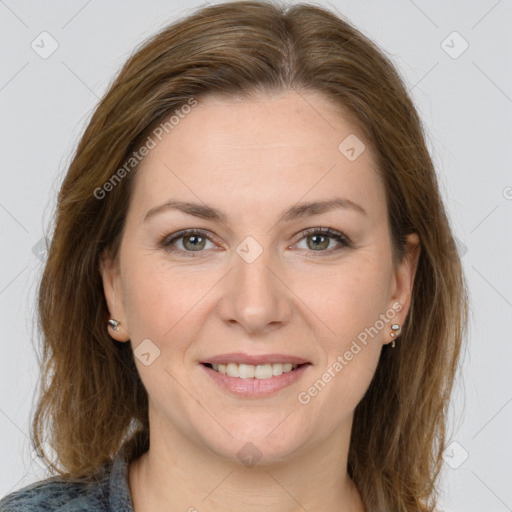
56,495
108,490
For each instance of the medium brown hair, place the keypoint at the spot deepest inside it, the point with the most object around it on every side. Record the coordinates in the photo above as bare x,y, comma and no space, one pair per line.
92,400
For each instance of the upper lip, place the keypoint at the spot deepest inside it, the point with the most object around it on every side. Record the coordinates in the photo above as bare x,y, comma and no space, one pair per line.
241,358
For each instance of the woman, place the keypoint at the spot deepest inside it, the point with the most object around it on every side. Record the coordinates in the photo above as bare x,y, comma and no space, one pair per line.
253,298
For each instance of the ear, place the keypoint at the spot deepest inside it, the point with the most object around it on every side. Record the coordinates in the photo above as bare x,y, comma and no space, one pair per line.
403,280
109,270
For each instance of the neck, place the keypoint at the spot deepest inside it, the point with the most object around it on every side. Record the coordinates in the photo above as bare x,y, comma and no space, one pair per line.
180,473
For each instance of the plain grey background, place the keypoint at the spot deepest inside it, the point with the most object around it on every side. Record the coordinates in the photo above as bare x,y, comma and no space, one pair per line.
455,58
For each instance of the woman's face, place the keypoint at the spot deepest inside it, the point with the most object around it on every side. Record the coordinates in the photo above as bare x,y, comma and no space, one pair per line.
252,287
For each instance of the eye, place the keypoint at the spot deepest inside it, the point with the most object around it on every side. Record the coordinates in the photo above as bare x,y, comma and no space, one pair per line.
195,240
192,241
321,237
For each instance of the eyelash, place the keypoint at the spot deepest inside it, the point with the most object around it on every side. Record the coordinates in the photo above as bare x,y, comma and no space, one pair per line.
168,240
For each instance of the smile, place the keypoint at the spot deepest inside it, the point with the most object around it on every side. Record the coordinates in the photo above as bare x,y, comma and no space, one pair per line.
249,371
254,381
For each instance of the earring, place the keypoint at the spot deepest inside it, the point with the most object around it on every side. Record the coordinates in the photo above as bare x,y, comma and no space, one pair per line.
113,323
395,332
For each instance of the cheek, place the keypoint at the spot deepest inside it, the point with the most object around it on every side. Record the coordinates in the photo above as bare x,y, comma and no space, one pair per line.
349,299
352,304
161,300
163,306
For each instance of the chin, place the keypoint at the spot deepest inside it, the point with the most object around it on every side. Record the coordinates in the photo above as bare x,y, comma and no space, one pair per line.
266,442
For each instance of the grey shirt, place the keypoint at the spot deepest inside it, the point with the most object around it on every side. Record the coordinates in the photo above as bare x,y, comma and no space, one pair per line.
111,493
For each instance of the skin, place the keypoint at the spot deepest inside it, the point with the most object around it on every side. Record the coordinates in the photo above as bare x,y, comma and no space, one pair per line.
253,159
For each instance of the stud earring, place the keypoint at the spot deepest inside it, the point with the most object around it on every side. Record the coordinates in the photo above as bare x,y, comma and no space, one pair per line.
114,324
395,328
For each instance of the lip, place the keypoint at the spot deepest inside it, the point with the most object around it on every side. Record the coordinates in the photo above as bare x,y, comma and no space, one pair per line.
241,358
256,388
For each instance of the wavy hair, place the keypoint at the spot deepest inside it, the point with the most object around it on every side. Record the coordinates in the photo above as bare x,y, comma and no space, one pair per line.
92,401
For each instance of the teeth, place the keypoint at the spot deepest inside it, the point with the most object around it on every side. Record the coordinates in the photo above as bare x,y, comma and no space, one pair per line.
249,371
277,369
244,371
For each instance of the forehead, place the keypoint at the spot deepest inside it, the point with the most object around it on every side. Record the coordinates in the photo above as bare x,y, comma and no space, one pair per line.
258,154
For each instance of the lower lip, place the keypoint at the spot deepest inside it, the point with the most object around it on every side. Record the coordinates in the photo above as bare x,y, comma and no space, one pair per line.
256,388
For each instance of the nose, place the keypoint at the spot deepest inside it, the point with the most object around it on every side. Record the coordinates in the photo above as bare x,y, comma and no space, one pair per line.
255,294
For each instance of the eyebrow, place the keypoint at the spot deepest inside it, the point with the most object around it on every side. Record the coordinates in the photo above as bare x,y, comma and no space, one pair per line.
300,210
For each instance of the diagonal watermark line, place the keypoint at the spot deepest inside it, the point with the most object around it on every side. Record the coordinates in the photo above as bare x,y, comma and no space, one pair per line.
167,167
490,490
80,79
13,217
280,423
192,307
504,298
301,300
14,76
299,93
424,14
491,419
485,15
75,15
2,2
307,192
216,487
492,81
484,219
286,491
198,402
424,76
16,484
12,280
13,423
